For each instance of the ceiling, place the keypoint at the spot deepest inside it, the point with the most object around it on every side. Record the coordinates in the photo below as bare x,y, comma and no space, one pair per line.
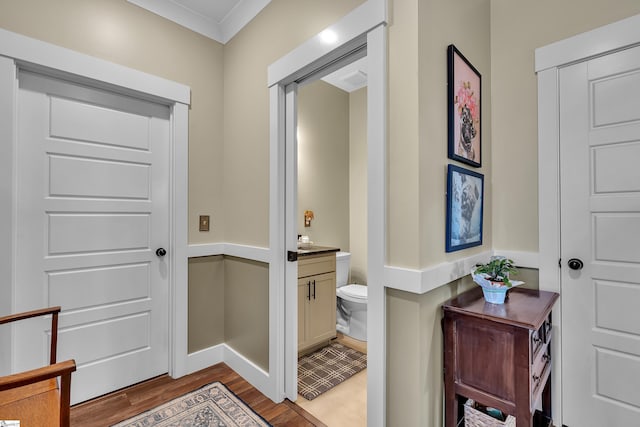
220,20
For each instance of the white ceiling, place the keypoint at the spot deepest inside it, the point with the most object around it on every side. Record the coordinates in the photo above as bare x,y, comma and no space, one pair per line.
220,20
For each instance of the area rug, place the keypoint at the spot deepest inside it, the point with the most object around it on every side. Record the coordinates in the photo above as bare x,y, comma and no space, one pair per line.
212,405
326,368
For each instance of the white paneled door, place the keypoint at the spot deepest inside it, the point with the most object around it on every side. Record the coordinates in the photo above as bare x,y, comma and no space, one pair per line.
600,222
92,210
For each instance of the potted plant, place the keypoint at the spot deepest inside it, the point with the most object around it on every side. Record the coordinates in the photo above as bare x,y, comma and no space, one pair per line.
493,277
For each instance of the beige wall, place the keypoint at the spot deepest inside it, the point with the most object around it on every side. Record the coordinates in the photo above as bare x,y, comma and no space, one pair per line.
466,25
419,35
323,163
246,309
230,304
518,27
206,303
403,207
126,34
278,29
358,185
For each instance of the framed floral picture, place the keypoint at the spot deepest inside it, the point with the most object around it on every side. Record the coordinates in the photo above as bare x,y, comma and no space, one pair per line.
464,95
465,200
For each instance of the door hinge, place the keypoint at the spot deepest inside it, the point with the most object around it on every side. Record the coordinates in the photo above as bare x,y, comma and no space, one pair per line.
292,256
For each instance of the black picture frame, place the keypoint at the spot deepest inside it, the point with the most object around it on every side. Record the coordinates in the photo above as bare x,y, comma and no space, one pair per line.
464,101
465,206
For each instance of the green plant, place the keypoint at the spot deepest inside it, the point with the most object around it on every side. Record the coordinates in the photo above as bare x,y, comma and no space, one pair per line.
497,270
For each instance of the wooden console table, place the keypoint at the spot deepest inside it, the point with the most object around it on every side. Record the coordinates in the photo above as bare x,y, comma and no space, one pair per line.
498,354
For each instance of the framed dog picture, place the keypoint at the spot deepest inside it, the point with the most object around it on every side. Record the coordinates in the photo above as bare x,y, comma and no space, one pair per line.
463,99
465,200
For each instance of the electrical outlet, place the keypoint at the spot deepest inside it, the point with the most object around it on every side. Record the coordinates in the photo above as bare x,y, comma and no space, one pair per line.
204,222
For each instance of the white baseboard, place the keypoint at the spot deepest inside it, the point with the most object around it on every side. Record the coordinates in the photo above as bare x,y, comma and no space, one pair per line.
205,358
248,370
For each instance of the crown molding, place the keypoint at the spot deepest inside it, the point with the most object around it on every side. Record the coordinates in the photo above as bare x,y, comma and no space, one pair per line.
221,31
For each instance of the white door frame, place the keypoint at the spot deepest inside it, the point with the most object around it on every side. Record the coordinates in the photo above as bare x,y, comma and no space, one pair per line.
548,60
17,51
364,25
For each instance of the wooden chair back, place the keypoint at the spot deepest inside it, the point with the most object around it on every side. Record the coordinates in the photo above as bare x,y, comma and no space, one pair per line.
35,397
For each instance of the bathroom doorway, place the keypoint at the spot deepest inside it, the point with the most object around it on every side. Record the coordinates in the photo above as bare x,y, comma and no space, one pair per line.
331,151
364,26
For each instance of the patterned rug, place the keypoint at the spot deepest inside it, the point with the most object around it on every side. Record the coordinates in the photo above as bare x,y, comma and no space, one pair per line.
212,405
326,368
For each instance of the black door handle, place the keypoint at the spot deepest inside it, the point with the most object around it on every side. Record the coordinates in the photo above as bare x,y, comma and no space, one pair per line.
314,289
161,252
575,264
309,290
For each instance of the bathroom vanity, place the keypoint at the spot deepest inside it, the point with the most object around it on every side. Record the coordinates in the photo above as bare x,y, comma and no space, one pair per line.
316,296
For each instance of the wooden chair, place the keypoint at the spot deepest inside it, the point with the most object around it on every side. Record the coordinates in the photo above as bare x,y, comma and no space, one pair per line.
34,397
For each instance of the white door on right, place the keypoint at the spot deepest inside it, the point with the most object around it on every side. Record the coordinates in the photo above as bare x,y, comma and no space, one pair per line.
600,223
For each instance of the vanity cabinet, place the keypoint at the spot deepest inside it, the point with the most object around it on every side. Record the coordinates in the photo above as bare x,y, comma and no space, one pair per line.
316,300
499,354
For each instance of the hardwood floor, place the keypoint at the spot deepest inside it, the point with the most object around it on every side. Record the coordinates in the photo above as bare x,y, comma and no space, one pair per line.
120,405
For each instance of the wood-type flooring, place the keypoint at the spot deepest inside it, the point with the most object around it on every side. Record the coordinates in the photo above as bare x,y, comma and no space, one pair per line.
118,406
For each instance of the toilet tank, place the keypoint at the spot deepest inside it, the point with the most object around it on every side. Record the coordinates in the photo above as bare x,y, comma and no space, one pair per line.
343,260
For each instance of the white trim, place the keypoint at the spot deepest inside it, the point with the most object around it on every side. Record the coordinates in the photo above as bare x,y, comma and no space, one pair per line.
221,31
248,370
179,185
254,253
425,280
31,51
205,358
8,86
277,303
60,62
223,353
240,16
548,60
183,16
304,58
377,104
596,42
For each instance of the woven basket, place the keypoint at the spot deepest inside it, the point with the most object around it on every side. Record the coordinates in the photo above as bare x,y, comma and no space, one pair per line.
475,418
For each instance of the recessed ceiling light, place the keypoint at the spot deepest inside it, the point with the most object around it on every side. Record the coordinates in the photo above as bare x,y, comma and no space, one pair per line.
329,36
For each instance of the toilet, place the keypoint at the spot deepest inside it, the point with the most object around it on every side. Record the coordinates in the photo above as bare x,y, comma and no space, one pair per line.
351,310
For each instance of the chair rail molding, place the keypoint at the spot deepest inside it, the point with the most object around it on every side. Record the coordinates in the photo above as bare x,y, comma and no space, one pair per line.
420,281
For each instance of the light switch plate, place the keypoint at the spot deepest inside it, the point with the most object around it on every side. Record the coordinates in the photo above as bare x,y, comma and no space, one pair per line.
204,222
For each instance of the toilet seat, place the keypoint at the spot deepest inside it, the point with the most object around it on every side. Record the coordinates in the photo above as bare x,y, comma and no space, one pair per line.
353,293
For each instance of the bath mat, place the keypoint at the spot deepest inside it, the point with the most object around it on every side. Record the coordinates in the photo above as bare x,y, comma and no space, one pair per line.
326,368
212,405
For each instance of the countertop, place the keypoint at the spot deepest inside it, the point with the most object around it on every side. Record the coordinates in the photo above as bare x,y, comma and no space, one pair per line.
316,250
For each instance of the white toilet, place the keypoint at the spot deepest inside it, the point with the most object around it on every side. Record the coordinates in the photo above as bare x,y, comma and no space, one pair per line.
351,310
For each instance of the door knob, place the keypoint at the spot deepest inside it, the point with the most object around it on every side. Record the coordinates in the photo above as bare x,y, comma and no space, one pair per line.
161,252
575,264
